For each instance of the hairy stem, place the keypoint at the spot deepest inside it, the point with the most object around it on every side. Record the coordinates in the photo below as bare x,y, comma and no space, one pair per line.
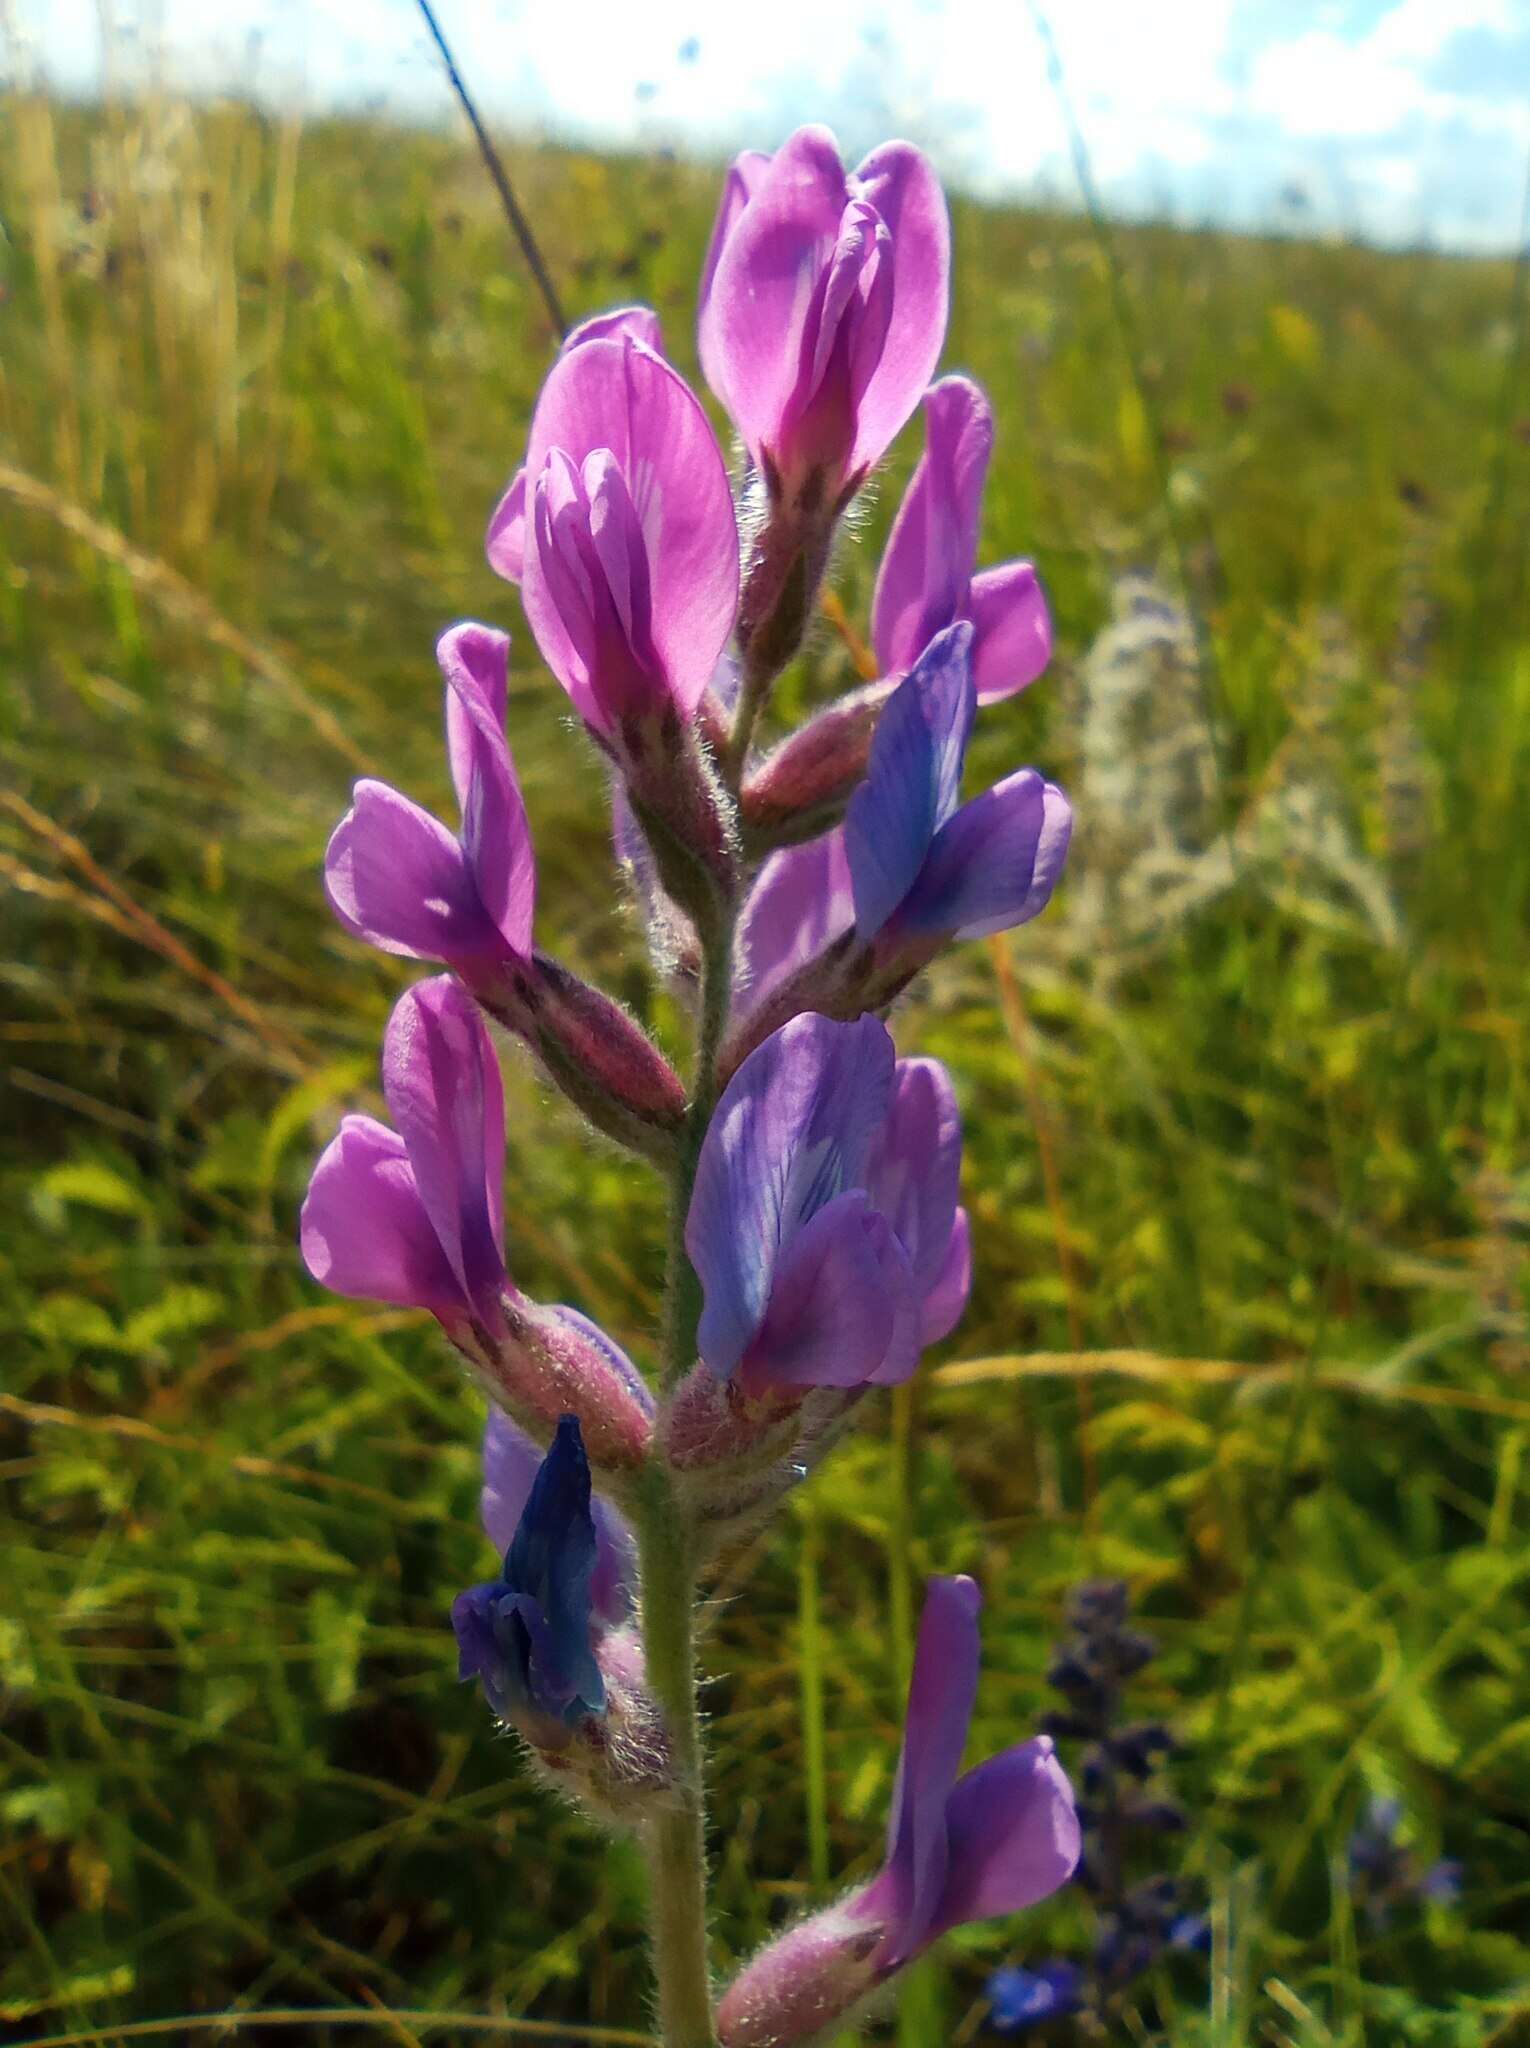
677,1907
682,1294
677,1836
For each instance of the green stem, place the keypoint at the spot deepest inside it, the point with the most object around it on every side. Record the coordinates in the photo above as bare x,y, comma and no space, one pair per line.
677,1835
810,1649
683,1290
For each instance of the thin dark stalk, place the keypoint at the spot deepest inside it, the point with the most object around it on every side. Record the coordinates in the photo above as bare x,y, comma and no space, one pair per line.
519,225
1491,530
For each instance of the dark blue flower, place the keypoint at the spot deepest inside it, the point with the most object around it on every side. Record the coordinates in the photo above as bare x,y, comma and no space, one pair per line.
1385,1872
1191,1931
527,1634
1024,1998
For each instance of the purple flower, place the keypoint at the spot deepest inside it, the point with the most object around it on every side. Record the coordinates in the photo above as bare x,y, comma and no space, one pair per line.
511,1462
398,878
823,307
528,1634
630,573
505,542
959,1848
962,1848
415,1216
923,864
912,866
1024,1998
926,580
824,1224
553,1638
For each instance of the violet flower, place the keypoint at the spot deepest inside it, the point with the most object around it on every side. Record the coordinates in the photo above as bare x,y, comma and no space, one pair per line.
960,1848
1027,1998
527,1634
505,541
511,1462
926,580
823,307
824,1225
415,1217
630,549
398,878
1136,1920
554,1638
913,866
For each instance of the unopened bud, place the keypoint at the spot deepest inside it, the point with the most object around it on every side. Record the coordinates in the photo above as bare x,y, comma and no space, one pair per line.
800,789
544,1363
816,1973
617,1764
593,1051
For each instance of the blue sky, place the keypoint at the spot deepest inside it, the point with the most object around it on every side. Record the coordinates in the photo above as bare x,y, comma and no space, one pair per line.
1399,118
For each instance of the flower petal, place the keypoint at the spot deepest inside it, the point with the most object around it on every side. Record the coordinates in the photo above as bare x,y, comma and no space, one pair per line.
927,566
442,1082
396,877
791,1132
364,1231
914,1173
1013,1834
913,778
1011,630
800,903
995,864
641,322
899,181
551,1559
945,1300
760,287
746,173
910,1890
834,1307
495,834
505,541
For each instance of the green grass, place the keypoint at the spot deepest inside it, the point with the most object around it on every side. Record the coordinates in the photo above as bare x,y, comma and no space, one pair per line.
256,399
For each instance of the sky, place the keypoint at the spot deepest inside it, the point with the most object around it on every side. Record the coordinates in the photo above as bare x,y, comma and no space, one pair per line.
1401,120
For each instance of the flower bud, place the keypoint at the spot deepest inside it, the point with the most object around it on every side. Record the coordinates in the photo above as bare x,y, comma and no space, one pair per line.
593,1052
543,1363
551,1639
801,788
813,1975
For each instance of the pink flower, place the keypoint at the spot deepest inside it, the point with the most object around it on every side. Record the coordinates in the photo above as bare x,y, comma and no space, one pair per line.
823,307
630,577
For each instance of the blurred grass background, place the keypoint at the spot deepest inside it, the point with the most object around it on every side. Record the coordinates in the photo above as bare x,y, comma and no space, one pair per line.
1247,1148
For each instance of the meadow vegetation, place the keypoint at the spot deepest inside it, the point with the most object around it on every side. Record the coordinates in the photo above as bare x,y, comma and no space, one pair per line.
1248,1112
